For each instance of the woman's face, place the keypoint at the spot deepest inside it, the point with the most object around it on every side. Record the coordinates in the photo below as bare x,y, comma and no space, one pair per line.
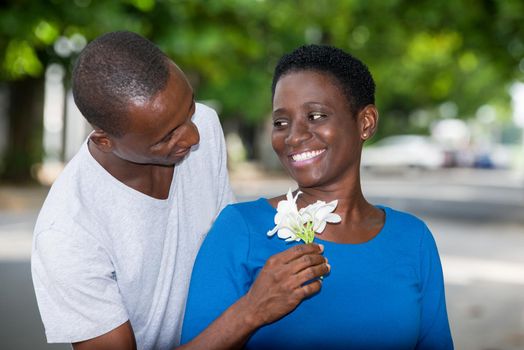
315,134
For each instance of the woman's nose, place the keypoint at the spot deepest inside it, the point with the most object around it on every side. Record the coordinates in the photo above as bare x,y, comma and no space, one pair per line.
298,133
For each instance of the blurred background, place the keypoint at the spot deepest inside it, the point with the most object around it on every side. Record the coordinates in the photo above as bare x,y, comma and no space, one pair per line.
450,145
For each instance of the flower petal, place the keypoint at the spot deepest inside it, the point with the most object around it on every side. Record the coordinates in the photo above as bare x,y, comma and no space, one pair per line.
285,232
296,197
333,218
273,231
332,204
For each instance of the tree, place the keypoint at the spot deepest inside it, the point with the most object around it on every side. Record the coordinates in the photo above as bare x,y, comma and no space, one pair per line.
461,54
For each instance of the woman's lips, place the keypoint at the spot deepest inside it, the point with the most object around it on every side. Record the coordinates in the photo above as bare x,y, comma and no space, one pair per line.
306,155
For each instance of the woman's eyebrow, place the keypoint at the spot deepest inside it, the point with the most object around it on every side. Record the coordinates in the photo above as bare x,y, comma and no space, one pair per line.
278,111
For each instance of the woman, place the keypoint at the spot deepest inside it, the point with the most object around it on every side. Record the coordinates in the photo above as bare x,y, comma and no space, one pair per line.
385,288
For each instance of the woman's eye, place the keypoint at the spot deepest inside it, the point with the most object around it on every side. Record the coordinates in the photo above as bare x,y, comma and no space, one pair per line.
279,123
316,116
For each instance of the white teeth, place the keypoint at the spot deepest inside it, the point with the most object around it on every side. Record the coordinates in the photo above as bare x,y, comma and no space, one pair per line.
306,155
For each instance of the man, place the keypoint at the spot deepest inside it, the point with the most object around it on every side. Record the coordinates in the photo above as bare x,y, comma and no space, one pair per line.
116,239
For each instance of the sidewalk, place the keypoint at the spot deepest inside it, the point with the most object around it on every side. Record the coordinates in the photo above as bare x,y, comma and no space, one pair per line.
482,190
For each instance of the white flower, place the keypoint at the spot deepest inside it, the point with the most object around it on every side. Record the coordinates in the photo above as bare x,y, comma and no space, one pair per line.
287,218
320,213
295,225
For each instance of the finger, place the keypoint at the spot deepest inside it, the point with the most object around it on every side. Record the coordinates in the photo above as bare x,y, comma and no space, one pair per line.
299,250
305,261
307,290
311,273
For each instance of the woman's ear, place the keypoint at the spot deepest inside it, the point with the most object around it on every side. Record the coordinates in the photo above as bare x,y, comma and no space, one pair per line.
102,140
368,121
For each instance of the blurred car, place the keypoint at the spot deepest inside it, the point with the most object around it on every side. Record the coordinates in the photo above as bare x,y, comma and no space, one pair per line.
404,151
496,156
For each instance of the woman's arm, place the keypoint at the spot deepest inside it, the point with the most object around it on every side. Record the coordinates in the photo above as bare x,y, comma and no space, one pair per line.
434,327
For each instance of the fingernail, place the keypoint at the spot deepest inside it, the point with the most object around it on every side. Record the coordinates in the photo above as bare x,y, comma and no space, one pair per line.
321,247
329,267
327,261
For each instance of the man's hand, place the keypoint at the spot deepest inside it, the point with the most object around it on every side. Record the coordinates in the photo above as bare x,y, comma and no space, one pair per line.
278,289
281,285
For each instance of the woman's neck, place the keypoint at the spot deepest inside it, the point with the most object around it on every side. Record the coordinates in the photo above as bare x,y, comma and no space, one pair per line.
361,221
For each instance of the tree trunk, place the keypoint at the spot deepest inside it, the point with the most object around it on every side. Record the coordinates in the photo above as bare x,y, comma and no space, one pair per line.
25,118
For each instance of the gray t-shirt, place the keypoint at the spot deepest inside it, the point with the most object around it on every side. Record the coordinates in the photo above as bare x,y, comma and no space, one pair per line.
104,253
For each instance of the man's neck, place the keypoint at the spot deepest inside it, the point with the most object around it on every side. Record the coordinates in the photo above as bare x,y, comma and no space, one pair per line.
151,180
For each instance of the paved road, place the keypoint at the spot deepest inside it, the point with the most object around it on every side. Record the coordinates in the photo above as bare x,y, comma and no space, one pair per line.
479,229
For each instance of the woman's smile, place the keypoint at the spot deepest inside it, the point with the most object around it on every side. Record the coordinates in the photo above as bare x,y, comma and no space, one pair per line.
303,157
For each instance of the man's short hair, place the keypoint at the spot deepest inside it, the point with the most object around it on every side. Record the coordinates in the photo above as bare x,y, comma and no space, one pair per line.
349,73
113,70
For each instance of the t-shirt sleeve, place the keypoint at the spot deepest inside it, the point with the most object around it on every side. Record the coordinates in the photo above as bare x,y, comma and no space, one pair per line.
75,287
434,327
225,195
220,276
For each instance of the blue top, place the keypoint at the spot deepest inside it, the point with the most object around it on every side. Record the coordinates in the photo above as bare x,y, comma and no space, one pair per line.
387,293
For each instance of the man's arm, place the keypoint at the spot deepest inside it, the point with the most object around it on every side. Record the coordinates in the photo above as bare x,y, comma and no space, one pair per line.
277,291
120,338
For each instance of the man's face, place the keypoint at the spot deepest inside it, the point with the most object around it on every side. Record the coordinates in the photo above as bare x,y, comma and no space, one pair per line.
160,130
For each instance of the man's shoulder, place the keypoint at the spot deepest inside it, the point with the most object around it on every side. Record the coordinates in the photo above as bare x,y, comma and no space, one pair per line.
210,149
67,196
206,117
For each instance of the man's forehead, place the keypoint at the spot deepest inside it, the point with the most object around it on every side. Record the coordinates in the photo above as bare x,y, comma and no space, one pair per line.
177,75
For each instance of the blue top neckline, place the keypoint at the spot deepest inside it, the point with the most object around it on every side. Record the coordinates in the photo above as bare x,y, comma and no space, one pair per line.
376,239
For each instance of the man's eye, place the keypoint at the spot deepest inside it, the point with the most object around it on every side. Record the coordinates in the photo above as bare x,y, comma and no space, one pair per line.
168,137
279,123
316,116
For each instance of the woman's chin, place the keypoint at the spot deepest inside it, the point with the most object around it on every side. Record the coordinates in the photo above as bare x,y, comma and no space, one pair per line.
307,182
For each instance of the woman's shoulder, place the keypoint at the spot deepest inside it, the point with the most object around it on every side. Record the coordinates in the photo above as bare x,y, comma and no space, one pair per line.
405,225
401,217
256,214
249,222
248,209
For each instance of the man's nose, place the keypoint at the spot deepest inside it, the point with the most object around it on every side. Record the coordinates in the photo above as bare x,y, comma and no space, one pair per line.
190,137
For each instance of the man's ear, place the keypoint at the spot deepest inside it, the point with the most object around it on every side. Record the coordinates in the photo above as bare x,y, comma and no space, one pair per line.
368,121
102,140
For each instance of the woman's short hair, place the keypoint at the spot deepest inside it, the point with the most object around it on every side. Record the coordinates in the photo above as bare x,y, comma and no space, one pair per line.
111,71
349,73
